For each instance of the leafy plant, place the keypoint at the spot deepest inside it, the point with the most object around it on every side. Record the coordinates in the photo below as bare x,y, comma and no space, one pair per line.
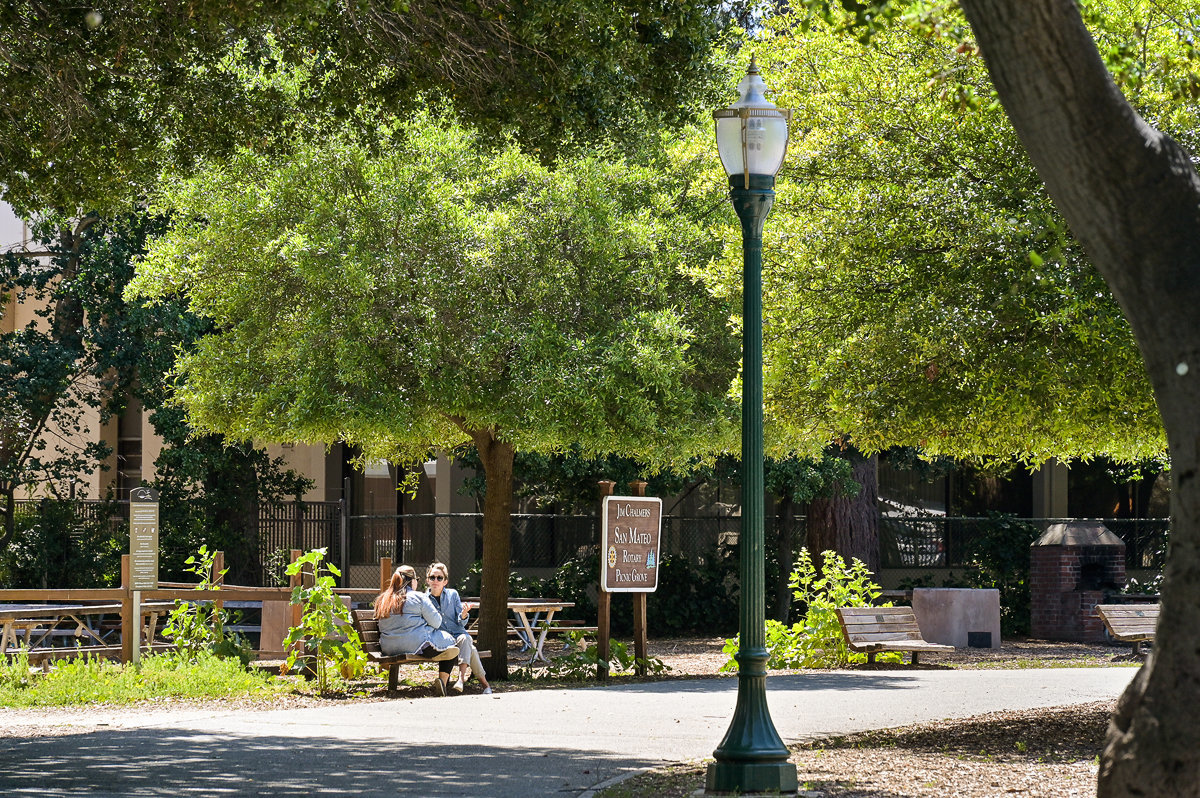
816,641
579,664
196,627
325,637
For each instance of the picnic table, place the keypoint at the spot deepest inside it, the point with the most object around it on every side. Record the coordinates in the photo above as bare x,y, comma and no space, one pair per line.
533,630
35,626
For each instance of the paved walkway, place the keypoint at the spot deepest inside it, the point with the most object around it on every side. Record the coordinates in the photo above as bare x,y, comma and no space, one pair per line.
540,742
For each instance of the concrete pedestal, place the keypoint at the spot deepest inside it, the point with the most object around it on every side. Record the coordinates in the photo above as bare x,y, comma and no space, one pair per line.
958,617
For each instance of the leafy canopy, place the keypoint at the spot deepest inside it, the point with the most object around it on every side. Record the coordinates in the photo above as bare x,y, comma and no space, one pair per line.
920,287
398,299
99,97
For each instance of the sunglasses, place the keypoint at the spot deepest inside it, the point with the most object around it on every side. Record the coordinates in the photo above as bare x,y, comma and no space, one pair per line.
435,578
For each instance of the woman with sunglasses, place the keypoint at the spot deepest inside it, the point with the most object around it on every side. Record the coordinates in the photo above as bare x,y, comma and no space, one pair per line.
409,623
454,612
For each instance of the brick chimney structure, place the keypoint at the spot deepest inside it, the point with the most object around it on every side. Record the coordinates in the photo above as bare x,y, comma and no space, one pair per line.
1073,567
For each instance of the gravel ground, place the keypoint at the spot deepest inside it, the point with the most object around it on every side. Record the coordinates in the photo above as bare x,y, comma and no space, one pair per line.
1043,753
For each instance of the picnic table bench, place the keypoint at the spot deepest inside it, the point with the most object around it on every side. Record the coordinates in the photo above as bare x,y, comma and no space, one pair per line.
368,632
1129,623
869,630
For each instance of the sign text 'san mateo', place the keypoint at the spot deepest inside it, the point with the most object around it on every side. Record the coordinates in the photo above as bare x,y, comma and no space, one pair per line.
632,530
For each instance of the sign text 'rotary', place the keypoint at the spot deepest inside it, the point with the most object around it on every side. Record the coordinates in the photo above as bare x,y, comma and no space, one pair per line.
632,530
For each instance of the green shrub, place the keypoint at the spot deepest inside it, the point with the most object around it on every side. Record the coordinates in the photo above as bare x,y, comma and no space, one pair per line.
816,641
330,646
1000,560
197,627
695,595
579,664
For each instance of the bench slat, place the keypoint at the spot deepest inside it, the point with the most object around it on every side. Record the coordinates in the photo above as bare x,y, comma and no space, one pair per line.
870,630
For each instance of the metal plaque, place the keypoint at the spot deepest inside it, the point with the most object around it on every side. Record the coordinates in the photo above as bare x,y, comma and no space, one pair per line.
143,539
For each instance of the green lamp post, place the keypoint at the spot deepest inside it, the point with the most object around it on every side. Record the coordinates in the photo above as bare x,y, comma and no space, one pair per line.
752,138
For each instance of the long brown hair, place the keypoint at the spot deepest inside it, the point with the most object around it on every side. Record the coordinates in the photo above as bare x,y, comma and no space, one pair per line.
391,601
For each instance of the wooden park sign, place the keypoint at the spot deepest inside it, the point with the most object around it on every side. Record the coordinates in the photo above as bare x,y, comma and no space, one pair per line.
143,539
632,530
629,561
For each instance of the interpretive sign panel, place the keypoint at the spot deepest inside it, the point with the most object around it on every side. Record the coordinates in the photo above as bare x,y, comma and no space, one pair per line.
143,539
632,530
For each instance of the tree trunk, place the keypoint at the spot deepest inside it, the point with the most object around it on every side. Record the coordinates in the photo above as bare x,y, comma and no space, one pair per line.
1132,197
785,544
497,459
848,525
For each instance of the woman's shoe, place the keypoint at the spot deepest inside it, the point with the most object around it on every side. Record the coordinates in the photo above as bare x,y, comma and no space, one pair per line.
458,685
486,691
441,686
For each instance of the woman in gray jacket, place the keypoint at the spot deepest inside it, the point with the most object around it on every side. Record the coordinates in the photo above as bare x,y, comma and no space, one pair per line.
409,624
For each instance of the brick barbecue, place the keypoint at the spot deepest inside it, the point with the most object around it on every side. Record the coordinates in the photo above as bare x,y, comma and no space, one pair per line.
1073,567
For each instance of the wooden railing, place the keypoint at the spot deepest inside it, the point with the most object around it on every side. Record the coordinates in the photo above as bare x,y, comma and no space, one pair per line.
166,591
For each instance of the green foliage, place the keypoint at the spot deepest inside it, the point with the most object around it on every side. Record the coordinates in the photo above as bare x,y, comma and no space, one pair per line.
198,627
817,640
79,338
159,676
580,663
326,637
695,595
99,102
999,555
59,543
14,671
513,300
903,304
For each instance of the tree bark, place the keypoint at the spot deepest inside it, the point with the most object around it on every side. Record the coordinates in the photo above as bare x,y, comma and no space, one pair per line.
846,524
1132,198
785,544
497,458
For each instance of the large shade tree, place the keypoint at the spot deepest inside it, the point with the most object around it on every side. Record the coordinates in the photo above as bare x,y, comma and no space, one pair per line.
921,289
435,294
1130,194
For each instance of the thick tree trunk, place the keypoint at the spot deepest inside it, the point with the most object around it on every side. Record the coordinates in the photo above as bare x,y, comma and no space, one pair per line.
497,459
848,525
785,544
1132,197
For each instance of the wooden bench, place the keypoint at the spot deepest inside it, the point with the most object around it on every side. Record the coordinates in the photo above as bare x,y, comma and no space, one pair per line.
1129,623
869,630
368,632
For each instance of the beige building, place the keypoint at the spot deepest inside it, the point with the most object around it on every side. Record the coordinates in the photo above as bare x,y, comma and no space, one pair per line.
372,491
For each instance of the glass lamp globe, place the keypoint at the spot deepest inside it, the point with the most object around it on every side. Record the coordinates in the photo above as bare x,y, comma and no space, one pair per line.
752,134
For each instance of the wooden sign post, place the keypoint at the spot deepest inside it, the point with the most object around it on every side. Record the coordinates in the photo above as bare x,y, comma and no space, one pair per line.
629,557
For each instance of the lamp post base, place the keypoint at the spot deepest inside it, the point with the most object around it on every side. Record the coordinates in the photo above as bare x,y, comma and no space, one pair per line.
745,778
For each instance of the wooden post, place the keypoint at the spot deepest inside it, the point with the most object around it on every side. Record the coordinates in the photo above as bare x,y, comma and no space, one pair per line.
603,604
294,581
128,623
218,580
639,632
638,487
385,573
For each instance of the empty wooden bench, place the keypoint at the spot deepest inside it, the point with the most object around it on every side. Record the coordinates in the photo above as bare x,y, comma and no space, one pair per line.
1129,623
368,632
870,630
